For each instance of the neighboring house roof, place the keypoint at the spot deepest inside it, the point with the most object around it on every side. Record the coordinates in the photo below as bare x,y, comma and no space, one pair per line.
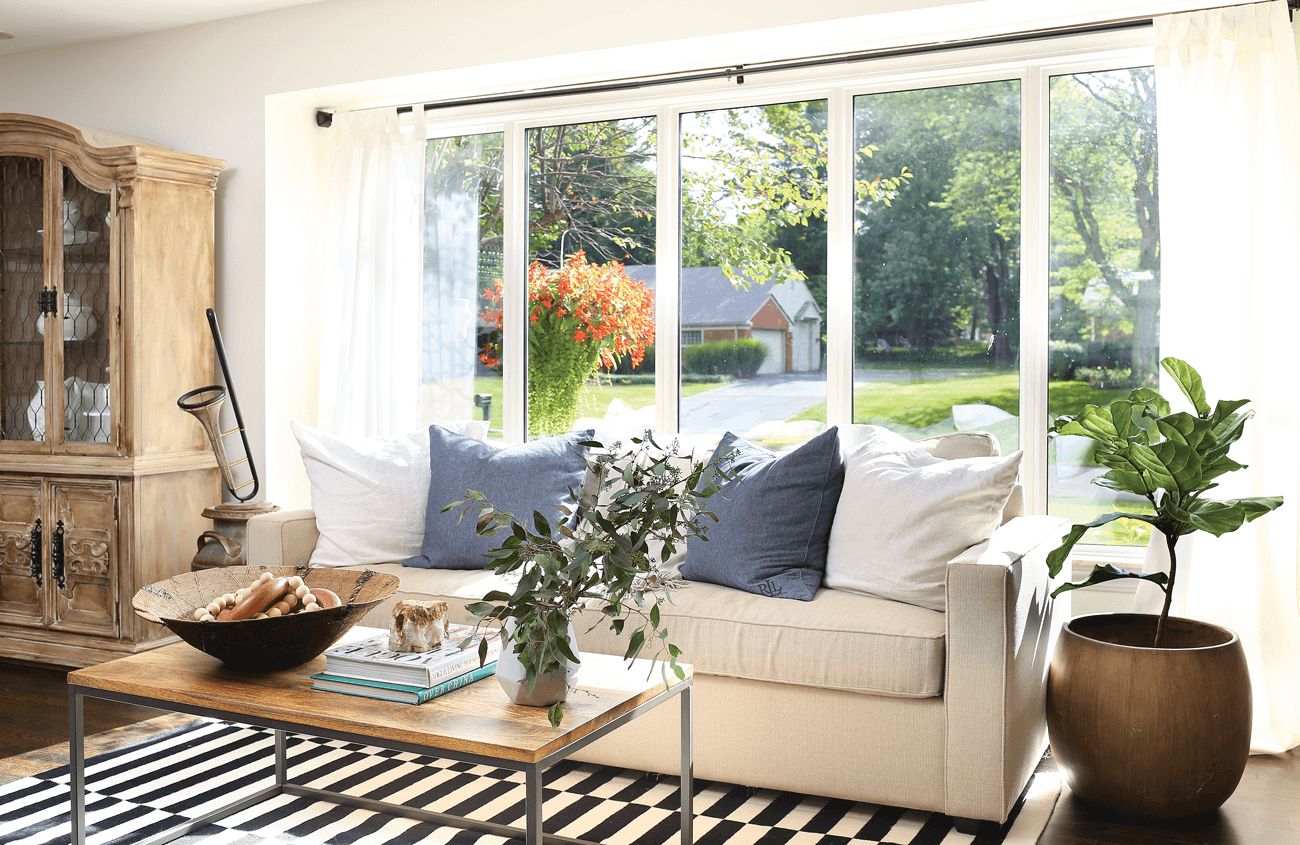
710,299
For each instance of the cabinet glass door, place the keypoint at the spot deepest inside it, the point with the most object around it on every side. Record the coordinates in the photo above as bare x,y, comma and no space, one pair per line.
85,304
22,259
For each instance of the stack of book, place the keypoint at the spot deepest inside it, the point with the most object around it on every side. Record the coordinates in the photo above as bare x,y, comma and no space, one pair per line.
369,669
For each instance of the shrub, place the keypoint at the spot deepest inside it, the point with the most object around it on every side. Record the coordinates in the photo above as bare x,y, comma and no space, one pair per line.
1063,358
741,357
1121,378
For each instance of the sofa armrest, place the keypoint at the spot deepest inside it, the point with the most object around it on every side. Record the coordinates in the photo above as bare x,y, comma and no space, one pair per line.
1001,628
283,538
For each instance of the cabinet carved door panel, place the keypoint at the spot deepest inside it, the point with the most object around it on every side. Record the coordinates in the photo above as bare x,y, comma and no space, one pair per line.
22,588
83,557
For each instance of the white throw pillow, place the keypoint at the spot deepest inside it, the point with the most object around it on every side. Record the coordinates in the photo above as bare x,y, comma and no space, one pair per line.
369,493
904,514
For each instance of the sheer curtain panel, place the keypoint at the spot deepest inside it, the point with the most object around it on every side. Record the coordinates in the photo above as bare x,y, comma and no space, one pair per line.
370,329
1229,117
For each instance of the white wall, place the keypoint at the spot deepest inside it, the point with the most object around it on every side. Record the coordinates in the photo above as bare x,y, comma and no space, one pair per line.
245,89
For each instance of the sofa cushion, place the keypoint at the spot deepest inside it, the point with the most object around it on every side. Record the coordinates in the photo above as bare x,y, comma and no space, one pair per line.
839,640
533,476
957,444
770,537
904,514
369,493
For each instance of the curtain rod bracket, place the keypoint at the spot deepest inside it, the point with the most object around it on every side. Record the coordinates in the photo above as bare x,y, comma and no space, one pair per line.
324,119
738,72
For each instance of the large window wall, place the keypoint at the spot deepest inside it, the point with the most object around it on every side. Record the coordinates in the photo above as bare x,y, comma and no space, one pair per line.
965,241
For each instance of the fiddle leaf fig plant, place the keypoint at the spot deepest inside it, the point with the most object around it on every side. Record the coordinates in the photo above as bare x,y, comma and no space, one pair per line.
1169,458
610,558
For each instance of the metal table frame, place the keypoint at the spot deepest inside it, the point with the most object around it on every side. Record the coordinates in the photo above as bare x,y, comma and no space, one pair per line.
533,772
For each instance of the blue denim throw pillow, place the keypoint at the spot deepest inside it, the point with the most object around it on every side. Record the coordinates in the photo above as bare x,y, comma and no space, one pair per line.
534,476
773,525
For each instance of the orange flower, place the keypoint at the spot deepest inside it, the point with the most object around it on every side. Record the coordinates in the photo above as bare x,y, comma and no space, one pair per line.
597,305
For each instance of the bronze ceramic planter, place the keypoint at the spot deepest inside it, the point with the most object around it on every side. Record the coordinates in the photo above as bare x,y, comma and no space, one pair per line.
1152,733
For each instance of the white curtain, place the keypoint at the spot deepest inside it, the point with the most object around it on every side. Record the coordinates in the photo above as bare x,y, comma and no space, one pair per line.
370,321
1229,122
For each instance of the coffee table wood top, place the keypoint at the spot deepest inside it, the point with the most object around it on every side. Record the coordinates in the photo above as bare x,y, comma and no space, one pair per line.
475,719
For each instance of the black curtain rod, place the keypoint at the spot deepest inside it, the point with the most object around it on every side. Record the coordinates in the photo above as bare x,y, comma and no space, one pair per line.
739,72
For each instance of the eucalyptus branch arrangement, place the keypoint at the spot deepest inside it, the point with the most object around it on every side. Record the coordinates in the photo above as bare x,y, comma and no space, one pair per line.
1171,460
609,558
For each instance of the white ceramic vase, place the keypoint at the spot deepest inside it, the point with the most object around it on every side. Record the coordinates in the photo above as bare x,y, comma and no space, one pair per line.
550,688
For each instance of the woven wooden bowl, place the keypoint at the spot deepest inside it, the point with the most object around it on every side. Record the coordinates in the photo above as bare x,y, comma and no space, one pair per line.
262,645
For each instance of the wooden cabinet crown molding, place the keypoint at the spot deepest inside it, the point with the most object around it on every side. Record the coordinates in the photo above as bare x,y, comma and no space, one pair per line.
110,155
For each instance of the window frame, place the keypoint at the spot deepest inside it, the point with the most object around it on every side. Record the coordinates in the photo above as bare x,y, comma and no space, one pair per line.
1033,63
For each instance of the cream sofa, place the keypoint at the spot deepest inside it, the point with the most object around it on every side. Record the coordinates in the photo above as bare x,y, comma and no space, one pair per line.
847,696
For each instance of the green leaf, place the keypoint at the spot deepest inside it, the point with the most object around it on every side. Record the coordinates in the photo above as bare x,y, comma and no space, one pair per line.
543,527
563,645
479,608
1189,382
1150,401
634,644
1106,572
482,652
1057,557
1223,517
556,714
654,615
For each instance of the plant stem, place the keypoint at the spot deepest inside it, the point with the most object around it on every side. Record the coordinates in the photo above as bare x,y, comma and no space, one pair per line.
1170,540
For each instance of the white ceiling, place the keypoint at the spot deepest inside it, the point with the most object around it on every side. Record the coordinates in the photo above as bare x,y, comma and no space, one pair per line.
38,24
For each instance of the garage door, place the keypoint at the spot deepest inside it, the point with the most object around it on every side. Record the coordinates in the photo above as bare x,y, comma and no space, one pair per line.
774,340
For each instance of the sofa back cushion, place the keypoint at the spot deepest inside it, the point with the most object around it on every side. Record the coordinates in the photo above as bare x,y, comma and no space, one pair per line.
904,514
770,537
369,493
533,476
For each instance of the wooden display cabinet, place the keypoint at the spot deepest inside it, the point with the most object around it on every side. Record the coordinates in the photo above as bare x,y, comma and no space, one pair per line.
106,270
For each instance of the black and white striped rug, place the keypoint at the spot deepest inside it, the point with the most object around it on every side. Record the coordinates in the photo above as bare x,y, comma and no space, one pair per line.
143,789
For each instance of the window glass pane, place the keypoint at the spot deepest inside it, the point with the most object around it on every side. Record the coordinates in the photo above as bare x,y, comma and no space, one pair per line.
591,201
753,278
937,261
22,276
1105,274
461,310
85,218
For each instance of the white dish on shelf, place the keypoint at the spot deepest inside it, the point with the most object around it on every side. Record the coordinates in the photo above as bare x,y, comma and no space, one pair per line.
79,321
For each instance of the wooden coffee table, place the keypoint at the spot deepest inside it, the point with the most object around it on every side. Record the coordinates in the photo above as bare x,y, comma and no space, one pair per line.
475,724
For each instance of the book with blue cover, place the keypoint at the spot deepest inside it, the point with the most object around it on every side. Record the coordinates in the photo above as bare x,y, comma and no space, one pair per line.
398,692
371,659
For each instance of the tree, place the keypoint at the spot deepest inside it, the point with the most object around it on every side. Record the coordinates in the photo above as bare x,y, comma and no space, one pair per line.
751,174
1104,171
944,255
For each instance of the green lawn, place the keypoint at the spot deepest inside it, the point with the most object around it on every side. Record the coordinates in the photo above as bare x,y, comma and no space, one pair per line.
922,403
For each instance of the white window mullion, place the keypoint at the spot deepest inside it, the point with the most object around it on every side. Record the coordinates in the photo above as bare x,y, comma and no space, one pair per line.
668,187
839,258
514,288
1034,326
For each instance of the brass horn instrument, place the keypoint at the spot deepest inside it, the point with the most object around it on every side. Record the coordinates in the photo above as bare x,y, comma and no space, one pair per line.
205,404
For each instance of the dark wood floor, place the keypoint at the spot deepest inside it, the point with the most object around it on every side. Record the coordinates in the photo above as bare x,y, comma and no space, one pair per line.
1265,810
